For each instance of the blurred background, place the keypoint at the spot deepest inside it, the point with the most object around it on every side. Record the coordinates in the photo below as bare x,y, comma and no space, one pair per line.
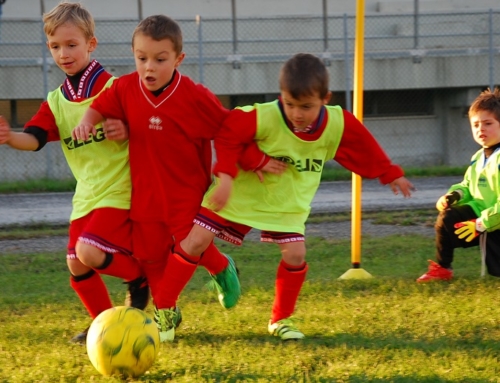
425,61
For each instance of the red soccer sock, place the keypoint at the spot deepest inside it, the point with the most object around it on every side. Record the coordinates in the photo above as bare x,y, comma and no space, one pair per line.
289,281
121,266
153,270
92,291
179,270
213,260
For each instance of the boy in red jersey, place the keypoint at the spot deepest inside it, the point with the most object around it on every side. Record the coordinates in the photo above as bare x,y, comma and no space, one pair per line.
301,130
100,228
171,121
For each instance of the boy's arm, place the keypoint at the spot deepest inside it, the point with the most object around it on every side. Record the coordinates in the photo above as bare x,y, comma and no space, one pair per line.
87,124
16,140
360,153
237,133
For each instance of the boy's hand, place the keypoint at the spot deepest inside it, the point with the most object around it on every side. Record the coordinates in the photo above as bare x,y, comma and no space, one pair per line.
115,130
273,166
445,201
222,192
402,184
83,131
467,230
5,130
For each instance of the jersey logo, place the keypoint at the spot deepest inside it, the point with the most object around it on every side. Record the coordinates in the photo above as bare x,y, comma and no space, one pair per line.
314,165
74,144
155,123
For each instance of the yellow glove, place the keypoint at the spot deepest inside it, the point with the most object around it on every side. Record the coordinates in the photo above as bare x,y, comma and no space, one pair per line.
466,230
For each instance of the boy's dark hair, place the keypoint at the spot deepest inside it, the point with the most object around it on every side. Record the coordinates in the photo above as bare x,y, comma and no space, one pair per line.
69,13
303,75
160,27
489,101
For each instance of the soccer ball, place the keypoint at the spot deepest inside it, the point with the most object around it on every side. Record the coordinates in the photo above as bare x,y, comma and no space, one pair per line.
123,341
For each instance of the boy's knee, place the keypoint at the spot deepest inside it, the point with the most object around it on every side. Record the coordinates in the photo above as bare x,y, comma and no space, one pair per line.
89,255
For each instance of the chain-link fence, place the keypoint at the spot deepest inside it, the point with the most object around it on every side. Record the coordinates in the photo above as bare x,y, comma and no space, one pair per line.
421,71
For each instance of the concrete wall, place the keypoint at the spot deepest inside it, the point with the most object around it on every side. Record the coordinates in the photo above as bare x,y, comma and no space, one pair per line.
119,9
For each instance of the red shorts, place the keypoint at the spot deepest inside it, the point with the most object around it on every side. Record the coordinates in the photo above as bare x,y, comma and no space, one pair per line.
107,228
152,241
235,232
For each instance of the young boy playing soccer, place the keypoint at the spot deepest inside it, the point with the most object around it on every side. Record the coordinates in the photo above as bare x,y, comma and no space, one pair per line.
171,121
100,228
303,131
469,213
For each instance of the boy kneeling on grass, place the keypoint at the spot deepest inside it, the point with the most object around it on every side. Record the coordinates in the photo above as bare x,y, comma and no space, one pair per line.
469,213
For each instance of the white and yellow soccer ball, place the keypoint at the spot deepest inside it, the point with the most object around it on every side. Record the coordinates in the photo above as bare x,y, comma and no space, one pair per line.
123,341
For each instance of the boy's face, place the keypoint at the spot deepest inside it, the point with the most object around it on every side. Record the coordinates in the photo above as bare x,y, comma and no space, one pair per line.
485,128
155,61
304,111
70,49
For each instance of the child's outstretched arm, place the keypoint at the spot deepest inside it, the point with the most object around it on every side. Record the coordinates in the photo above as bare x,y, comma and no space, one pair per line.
16,140
87,124
402,185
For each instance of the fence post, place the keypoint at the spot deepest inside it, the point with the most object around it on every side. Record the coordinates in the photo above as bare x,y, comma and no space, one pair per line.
139,9
200,49
415,24
491,63
347,63
325,26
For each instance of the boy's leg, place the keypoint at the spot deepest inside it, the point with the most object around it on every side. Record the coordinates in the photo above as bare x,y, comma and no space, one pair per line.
89,287
152,243
221,267
91,290
493,253
105,244
290,277
447,241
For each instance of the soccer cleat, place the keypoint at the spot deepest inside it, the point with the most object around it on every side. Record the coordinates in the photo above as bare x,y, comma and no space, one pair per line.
285,329
81,338
436,272
137,293
227,284
167,320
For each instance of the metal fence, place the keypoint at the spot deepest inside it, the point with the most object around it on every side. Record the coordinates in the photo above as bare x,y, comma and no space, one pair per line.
416,67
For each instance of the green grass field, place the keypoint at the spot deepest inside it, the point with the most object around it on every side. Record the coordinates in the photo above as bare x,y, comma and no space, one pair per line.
384,329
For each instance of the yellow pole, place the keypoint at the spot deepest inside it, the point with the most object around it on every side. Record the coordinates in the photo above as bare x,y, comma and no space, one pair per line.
357,272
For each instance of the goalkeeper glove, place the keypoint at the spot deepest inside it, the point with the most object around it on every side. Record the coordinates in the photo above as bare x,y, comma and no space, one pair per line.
469,230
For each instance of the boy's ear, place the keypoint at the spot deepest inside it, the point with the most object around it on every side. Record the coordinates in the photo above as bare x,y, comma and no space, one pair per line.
179,59
327,98
92,44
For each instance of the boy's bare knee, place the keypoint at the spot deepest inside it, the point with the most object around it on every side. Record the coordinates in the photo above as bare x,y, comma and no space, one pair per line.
89,255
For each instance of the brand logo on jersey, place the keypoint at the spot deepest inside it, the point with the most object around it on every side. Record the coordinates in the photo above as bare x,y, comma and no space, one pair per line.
155,123
304,165
482,182
98,137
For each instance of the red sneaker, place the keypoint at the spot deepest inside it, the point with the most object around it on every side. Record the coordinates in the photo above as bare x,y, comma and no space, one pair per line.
436,273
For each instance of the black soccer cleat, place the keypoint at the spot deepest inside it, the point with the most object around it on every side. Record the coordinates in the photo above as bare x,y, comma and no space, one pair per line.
138,293
81,338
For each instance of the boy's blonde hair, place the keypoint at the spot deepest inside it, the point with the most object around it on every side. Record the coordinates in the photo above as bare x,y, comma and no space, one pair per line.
69,13
489,101
304,75
160,27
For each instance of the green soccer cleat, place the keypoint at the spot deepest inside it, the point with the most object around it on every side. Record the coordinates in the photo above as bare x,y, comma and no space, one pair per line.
285,329
227,284
167,320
